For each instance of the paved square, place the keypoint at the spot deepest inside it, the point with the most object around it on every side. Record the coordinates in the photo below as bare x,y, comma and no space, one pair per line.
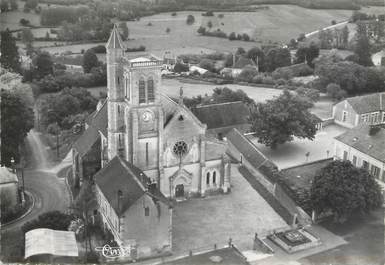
293,153
201,223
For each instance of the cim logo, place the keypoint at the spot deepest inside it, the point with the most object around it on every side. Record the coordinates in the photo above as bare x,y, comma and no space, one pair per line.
114,252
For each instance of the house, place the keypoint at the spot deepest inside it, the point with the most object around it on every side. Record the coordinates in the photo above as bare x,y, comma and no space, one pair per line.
367,109
238,66
200,70
222,117
364,146
169,61
9,187
133,209
89,150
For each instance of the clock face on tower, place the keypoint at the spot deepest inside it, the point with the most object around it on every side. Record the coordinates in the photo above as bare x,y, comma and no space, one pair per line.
147,116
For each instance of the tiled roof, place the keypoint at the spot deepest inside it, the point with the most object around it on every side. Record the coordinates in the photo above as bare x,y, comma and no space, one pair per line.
97,122
249,151
119,175
360,139
223,114
367,103
84,143
115,41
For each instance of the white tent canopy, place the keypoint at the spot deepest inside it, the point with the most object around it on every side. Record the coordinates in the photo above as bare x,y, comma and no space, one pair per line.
48,241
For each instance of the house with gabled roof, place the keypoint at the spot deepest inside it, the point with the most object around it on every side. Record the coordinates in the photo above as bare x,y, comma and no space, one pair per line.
363,146
131,207
366,109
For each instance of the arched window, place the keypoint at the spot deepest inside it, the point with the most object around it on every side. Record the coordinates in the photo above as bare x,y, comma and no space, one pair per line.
150,90
142,91
214,177
208,178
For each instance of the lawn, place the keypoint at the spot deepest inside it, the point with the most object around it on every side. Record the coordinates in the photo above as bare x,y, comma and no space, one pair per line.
293,153
201,223
365,236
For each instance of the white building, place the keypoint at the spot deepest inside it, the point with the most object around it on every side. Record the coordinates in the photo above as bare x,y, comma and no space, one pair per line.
363,146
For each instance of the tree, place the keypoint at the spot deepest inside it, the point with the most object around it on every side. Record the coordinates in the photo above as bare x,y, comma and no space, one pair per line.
31,4
4,7
9,58
210,24
42,65
335,91
362,49
232,36
258,57
245,37
16,121
181,67
277,57
222,95
90,60
307,54
201,30
309,93
350,76
13,4
168,30
52,220
26,36
208,65
190,20
124,30
278,120
344,190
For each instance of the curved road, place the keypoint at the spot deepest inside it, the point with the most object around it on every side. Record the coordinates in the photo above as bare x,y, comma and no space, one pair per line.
49,191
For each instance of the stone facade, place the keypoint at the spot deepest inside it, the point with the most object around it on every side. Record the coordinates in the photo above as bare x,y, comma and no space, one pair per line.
161,137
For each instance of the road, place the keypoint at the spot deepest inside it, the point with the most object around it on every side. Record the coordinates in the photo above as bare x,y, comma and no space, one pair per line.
307,35
49,191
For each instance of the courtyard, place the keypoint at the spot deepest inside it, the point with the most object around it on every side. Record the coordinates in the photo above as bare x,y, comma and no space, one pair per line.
294,153
198,224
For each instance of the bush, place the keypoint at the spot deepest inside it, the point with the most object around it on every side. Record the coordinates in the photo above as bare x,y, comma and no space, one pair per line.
310,93
173,14
268,80
52,220
208,65
180,67
190,20
245,37
168,30
24,22
99,49
208,14
247,74
201,30
232,36
141,48
335,91
280,82
258,79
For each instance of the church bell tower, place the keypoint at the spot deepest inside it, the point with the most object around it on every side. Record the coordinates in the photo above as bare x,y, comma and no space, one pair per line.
115,95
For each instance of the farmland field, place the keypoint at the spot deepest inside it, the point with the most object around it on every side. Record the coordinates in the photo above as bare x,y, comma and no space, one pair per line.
279,24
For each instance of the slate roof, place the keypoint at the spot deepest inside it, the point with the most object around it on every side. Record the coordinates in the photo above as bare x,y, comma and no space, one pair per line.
367,103
223,114
115,41
97,122
121,175
360,139
249,151
214,149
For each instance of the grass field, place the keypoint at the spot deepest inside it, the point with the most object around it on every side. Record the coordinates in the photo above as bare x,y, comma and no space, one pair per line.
279,23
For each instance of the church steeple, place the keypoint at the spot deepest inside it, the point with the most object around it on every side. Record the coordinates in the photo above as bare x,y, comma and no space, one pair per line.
115,41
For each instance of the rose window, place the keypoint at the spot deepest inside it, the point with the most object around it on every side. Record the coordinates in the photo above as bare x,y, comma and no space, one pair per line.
180,148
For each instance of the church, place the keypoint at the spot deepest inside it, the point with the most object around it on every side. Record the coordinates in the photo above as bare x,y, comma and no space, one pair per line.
138,133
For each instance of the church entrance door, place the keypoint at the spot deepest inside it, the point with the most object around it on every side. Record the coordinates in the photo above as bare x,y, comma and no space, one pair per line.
179,190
